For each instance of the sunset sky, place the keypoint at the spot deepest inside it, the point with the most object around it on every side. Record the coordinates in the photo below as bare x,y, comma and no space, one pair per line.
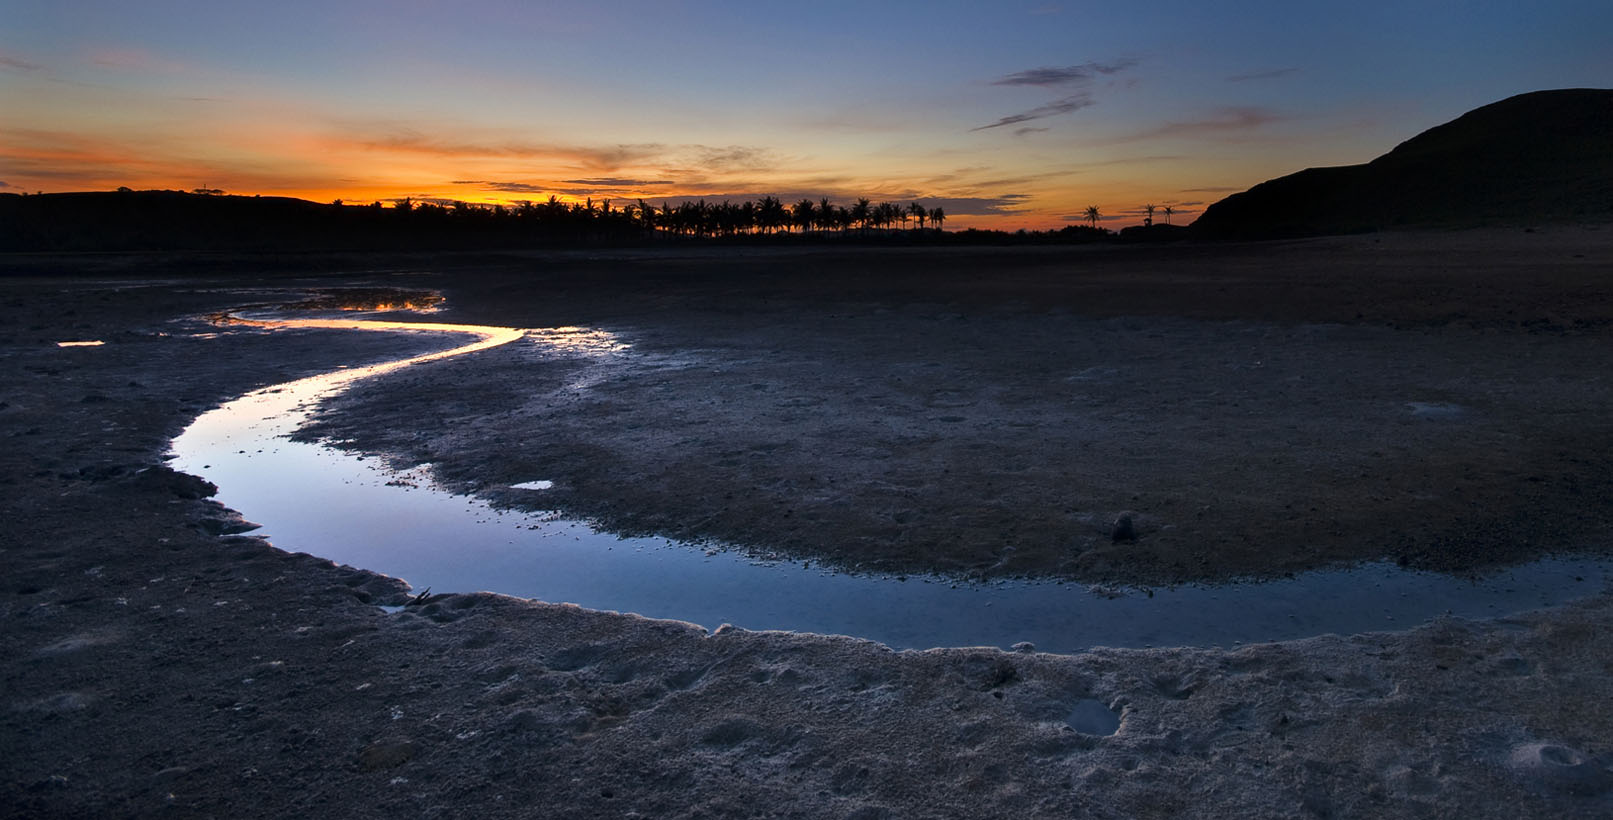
1007,114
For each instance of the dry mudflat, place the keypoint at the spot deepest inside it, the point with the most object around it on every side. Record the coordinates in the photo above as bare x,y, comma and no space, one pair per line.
1436,399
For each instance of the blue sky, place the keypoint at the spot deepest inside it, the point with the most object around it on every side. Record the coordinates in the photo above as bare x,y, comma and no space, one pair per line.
1009,114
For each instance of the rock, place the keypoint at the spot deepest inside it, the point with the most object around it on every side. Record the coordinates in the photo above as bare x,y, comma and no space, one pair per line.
180,484
1024,647
385,754
984,673
1125,529
1559,768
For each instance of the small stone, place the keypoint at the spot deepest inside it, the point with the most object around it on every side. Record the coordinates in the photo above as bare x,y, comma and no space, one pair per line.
385,754
1024,647
1125,529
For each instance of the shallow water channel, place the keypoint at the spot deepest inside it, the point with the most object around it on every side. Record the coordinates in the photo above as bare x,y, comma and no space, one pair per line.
352,510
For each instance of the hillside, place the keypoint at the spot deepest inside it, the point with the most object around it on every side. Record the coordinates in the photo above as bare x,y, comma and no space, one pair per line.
1542,156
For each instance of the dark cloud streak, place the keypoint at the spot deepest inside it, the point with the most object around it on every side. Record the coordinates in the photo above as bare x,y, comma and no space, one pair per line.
1224,120
1262,75
1050,76
20,65
1074,102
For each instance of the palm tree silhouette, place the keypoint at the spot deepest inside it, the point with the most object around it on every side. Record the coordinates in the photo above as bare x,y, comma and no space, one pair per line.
862,213
1148,221
803,214
1168,211
937,216
770,214
1092,215
919,214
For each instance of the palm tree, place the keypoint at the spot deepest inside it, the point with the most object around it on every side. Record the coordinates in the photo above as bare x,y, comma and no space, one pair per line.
919,213
803,214
770,214
1148,220
895,213
937,216
862,213
826,214
1168,211
1092,215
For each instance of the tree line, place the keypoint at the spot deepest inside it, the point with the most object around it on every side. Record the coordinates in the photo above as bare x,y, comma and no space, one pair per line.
212,220
695,218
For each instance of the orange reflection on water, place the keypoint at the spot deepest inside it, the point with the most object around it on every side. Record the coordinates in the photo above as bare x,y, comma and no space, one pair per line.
492,336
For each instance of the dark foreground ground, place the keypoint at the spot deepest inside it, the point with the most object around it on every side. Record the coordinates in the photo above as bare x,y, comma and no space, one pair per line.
1436,398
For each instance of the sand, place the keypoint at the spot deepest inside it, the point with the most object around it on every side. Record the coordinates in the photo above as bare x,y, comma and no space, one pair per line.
155,663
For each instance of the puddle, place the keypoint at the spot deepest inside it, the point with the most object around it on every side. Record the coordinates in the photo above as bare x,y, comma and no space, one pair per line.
1093,717
347,509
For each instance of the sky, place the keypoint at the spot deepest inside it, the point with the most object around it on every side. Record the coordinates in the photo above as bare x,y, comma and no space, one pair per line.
1006,114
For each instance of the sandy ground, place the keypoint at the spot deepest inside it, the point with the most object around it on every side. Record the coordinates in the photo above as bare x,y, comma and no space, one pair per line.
982,418
155,664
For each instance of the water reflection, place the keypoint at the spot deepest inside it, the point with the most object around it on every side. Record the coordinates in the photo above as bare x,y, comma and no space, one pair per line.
350,510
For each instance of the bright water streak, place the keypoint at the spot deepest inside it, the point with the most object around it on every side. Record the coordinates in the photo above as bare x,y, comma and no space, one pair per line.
340,506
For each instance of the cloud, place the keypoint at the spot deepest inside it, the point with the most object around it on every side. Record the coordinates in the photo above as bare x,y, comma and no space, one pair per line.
1030,129
617,182
1262,75
1220,190
135,59
1028,179
18,65
1050,76
4,184
503,187
603,157
1222,121
732,157
1074,102
1135,160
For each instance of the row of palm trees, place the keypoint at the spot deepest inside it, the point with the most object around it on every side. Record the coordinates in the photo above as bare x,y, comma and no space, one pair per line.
1092,214
771,215
701,218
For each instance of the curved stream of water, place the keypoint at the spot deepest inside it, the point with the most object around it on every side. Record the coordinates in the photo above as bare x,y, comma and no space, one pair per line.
351,510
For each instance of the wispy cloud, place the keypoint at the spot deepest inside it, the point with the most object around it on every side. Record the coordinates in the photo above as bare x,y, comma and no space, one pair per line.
1030,129
1135,160
135,59
18,65
504,187
4,184
1050,76
1074,102
603,158
1217,190
1222,121
662,157
617,182
1262,75
615,186
732,157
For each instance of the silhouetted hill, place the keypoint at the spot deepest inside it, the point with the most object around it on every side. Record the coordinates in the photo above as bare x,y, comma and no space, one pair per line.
1542,156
